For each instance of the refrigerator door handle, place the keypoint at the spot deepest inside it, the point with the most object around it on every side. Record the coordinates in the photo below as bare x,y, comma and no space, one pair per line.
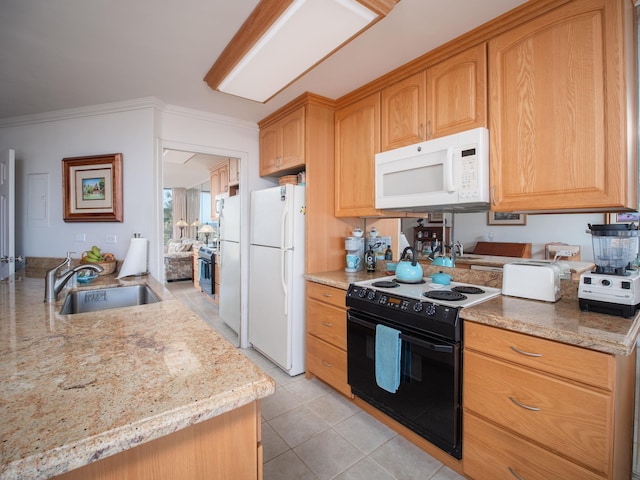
283,251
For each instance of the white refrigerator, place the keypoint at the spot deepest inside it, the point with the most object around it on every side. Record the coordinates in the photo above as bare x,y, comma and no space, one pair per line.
229,242
276,276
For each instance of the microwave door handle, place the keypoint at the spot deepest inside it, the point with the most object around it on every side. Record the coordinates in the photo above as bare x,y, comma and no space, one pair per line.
451,187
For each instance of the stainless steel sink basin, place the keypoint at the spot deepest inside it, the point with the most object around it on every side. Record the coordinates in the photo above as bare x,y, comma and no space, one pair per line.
97,299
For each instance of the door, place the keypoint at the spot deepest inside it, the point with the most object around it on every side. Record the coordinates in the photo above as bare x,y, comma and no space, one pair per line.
7,214
229,303
269,325
268,210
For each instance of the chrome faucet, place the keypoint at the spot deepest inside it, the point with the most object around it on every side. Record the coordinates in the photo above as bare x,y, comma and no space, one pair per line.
53,284
457,246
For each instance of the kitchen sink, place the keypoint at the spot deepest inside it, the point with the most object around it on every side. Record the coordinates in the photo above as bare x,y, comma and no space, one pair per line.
97,299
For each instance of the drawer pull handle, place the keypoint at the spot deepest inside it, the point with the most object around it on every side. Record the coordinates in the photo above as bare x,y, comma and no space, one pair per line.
533,409
522,352
513,472
328,295
326,364
327,324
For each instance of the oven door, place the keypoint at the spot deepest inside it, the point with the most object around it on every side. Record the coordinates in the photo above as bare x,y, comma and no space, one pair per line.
205,277
428,400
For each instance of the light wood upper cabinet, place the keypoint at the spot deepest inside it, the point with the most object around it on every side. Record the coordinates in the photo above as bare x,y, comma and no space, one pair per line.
282,144
357,141
446,98
457,93
223,175
214,177
561,90
403,118
234,172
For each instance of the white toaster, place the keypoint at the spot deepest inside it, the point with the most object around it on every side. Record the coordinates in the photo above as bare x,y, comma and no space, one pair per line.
537,280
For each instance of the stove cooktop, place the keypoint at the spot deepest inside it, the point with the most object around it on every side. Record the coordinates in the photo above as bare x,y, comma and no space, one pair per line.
453,295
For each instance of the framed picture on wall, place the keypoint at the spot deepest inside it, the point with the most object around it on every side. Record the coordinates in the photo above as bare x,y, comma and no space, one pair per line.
506,218
436,217
624,217
92,188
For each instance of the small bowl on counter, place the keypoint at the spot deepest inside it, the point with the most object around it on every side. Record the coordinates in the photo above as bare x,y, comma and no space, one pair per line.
85,277
391,267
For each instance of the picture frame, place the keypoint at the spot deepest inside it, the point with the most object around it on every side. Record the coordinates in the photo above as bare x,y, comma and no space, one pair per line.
622,217
436,217
92,188
506,218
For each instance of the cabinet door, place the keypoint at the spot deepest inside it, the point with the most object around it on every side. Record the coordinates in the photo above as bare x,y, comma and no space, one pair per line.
234,172
357,141
457,93
558,111
270,148
292,128
403,112
223,175
215,190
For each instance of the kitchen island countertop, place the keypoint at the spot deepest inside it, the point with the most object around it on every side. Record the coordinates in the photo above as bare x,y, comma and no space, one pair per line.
562,321
77,388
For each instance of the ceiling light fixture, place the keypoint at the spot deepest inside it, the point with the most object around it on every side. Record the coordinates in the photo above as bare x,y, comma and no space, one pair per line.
283,39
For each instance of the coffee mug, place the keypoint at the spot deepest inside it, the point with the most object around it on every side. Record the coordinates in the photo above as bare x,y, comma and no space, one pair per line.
353,261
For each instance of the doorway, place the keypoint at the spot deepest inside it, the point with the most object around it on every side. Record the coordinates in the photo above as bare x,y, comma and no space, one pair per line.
194,184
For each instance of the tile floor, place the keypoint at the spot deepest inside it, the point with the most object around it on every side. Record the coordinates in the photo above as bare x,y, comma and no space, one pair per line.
311,432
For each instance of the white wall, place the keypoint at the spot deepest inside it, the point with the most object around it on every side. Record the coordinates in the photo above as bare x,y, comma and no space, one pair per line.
470,228
42,141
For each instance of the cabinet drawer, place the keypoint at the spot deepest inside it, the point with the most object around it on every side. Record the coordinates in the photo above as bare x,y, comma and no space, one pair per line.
324,293
575,363
565,417
490,452
327,323
328,363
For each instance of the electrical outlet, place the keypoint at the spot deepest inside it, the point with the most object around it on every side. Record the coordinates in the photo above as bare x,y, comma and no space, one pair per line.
110,239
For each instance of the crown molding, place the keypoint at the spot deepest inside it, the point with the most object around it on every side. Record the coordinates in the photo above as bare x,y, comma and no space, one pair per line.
101,109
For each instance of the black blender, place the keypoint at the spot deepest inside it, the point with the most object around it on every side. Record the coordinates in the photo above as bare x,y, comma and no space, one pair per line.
612,288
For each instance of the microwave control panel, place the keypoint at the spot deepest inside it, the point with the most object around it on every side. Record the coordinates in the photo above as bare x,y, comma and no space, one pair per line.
469,173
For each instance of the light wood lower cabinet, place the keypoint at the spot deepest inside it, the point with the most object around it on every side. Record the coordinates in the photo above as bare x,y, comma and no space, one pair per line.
538,409
225,447
196,270
327,336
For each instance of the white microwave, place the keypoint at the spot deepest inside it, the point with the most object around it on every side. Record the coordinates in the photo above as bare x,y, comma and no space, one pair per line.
447,173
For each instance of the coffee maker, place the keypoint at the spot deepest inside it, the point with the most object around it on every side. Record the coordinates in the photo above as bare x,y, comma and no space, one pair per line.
612,288
355,254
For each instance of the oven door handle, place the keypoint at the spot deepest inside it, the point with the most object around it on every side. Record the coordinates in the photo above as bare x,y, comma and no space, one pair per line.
428,345
422,343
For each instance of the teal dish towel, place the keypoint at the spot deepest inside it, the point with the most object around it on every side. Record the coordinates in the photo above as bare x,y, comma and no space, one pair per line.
388,347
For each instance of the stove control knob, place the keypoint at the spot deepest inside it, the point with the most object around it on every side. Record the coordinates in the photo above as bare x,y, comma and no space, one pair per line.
606,282
371,295
362,292
418,307
430,310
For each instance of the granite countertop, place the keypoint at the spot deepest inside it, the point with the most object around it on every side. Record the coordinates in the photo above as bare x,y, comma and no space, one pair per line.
562,321
77,388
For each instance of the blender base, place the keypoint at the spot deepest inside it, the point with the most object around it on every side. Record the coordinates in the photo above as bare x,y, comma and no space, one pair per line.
608,308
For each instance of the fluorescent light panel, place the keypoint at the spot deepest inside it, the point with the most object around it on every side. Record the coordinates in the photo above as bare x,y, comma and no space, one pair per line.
307,32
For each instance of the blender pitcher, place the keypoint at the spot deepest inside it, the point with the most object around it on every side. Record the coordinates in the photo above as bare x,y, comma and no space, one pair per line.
614,247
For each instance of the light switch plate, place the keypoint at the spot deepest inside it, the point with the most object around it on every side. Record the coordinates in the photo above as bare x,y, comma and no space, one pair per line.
81,237
110,239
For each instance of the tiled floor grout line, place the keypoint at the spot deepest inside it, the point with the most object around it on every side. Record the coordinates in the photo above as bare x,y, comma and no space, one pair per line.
205,308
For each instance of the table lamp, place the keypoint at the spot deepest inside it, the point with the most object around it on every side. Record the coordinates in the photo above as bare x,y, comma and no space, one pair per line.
182,224
207,230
